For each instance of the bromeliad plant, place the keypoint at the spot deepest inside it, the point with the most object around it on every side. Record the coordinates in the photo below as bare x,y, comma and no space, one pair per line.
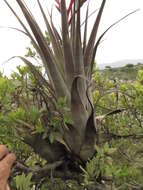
68,60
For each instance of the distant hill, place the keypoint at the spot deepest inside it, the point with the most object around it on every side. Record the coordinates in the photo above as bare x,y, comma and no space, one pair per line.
120,63
127,72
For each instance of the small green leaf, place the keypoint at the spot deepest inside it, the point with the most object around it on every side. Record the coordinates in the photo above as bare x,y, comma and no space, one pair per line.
39,128
51,138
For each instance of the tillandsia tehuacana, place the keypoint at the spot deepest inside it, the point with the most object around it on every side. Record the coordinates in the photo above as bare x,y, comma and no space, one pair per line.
68,61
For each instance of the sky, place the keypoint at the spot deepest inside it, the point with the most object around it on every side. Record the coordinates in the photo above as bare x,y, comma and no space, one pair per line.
124,41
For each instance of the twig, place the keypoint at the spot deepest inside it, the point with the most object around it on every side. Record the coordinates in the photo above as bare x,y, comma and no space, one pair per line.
48,167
